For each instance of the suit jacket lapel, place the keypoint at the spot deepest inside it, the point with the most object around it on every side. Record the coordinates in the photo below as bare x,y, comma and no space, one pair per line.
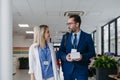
70,39
80,40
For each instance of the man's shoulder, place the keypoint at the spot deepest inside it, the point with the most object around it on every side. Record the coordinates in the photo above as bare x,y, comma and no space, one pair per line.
66,35
85,33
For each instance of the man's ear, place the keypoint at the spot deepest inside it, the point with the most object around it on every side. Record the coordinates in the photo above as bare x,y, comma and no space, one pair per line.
77,24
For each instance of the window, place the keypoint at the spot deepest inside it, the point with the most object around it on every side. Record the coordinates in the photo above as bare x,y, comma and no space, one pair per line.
112,37
105,41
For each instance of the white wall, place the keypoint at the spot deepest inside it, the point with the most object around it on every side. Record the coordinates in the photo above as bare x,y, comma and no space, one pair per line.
20,41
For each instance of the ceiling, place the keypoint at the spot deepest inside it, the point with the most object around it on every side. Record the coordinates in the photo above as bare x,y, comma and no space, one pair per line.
51,13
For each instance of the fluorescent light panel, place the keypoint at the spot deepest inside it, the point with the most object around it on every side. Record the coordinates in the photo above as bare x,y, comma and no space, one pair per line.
56,44
23,25
29,32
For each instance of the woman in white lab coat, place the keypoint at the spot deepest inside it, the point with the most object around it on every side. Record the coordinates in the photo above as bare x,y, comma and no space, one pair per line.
42,59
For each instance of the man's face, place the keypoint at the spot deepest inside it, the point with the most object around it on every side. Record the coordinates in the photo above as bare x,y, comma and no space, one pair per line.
71,25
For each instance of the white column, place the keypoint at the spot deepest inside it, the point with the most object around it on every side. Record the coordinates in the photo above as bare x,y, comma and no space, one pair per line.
0,40
6,40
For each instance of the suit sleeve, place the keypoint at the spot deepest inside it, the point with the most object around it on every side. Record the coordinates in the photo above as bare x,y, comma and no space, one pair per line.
90,51
61,54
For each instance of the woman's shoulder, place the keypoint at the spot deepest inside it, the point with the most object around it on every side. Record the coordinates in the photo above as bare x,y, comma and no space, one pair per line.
50,46
32,46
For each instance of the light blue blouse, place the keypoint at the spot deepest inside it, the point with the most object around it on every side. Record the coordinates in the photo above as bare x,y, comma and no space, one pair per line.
46,62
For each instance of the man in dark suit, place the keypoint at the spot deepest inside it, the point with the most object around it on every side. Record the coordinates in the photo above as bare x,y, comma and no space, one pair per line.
74,65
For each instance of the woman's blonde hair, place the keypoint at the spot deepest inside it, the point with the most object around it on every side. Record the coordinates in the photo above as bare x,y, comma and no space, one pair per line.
39,33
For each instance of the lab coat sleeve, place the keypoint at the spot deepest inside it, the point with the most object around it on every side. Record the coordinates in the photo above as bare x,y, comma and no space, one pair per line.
31,60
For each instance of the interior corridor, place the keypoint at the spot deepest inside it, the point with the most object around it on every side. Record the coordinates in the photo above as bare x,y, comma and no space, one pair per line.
22,74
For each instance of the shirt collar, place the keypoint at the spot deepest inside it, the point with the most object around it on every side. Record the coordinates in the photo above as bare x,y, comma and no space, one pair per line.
78,33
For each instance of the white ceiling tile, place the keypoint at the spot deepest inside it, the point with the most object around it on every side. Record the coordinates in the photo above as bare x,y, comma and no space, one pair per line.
51,12
54,5
69,5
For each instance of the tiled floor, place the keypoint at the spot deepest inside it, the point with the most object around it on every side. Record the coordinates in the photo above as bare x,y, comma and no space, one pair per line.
23,75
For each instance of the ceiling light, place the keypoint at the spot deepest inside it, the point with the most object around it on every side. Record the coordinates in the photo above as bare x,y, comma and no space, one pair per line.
29,32
23,25
56,44
68,13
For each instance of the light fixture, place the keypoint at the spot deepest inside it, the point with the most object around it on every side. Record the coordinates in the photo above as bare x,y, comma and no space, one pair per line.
68,13
56,44
23,25
29,32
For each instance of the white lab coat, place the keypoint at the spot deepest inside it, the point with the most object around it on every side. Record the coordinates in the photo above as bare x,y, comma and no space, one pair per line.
34,62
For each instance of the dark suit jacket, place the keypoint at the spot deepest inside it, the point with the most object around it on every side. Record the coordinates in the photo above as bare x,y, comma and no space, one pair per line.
86,49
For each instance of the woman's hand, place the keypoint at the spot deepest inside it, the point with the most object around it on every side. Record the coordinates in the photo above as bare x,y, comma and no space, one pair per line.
32,77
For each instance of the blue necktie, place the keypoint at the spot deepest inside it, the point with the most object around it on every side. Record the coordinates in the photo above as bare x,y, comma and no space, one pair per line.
75,41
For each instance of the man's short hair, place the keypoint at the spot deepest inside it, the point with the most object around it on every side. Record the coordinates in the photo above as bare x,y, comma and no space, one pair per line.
76,18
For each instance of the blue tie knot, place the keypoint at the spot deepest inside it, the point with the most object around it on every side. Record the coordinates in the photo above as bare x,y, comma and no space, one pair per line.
75,35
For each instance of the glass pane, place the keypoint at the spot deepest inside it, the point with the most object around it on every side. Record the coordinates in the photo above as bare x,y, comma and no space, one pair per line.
95,40
95,37
112,37
105,38
118,37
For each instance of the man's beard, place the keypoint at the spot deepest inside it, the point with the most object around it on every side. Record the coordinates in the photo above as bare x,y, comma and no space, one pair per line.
73,30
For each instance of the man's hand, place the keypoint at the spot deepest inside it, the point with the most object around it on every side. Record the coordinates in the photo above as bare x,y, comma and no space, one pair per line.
68,58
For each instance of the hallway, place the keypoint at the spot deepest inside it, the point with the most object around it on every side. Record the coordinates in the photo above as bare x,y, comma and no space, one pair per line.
23,75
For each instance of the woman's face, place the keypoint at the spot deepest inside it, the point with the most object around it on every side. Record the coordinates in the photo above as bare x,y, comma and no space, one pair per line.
47,35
